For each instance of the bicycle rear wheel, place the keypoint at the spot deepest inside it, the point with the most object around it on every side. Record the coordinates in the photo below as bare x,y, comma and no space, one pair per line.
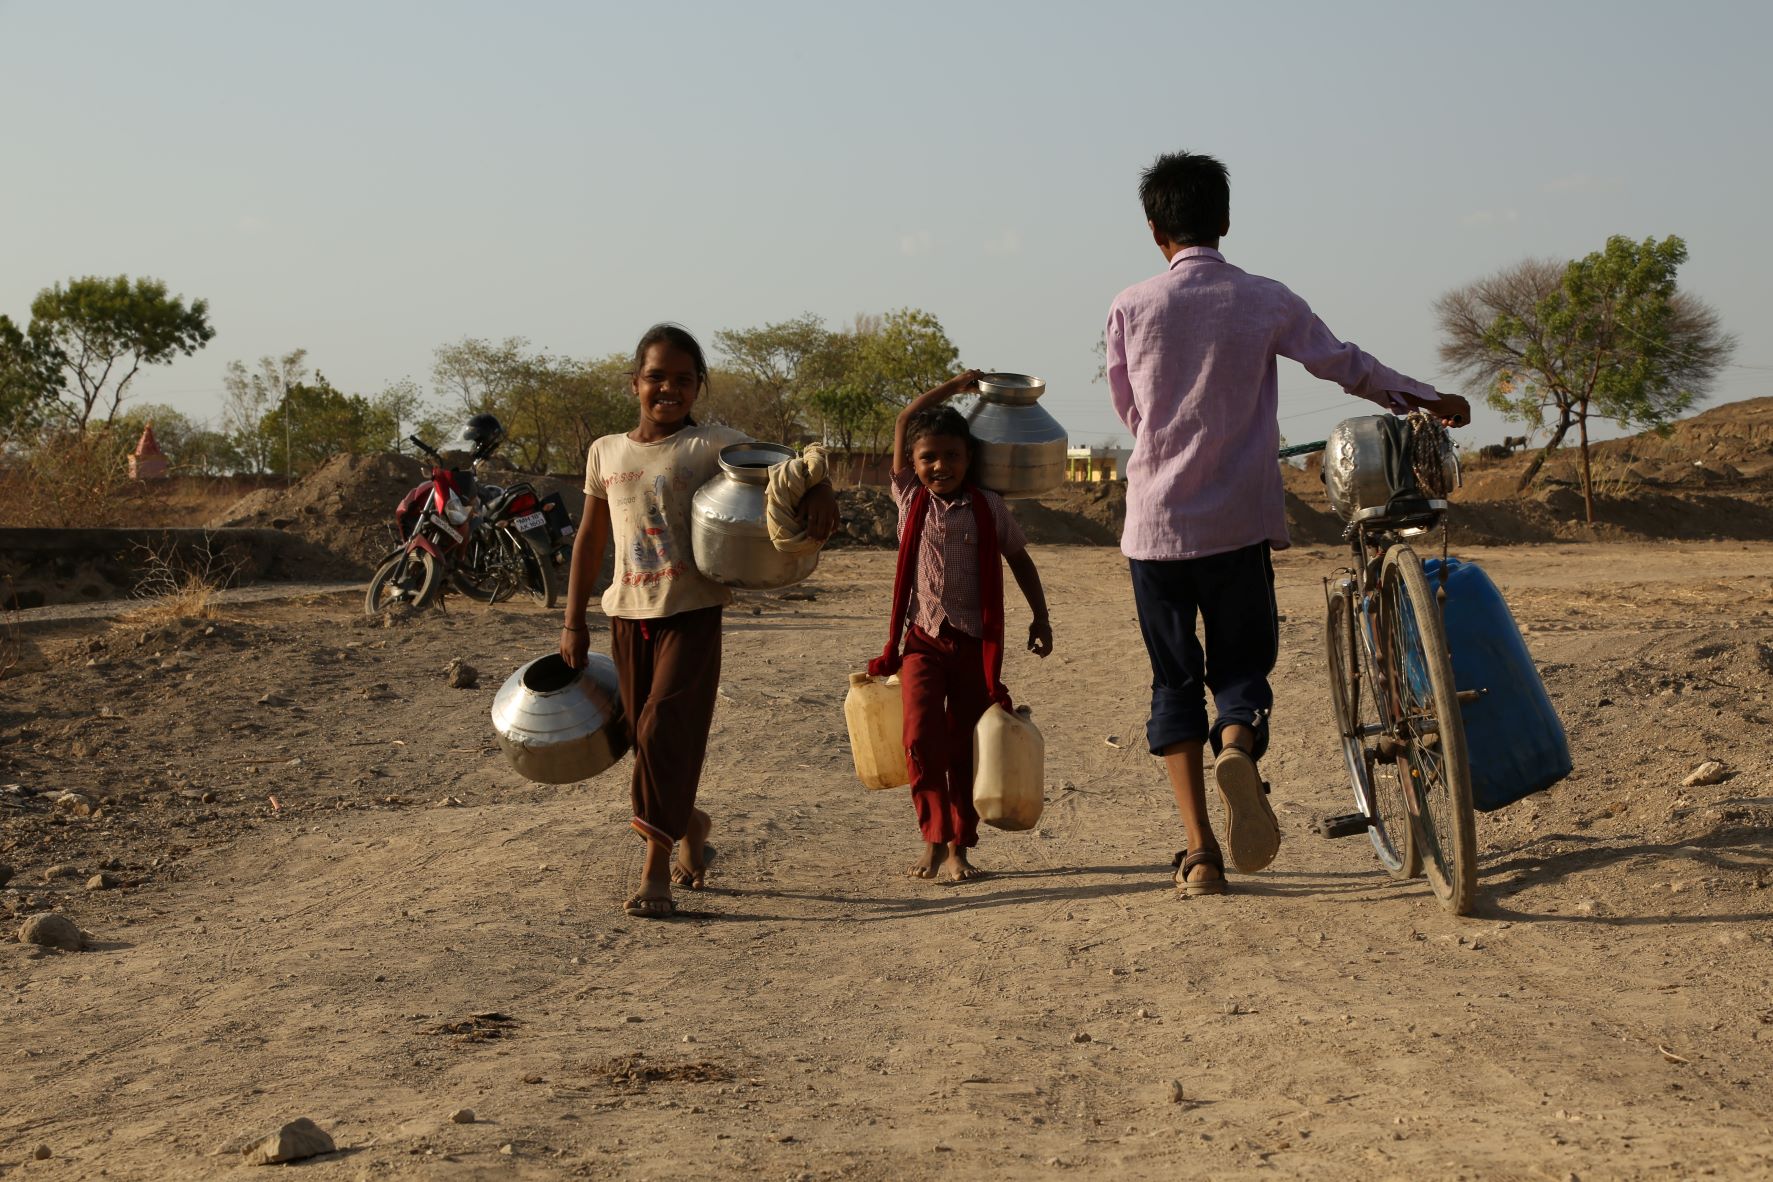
1430,729
1359,712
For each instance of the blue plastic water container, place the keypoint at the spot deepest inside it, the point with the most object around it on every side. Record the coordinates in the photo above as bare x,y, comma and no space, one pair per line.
1513,738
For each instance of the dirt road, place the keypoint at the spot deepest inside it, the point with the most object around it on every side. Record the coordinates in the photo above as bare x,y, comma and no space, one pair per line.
814,1015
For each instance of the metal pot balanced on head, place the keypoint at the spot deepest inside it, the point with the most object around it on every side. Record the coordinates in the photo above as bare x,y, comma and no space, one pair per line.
729,527
1021,446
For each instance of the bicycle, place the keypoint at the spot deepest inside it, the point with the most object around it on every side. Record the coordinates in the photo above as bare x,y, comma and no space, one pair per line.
1396,707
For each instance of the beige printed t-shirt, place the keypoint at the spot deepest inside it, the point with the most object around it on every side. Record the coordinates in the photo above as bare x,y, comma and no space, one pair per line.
648,487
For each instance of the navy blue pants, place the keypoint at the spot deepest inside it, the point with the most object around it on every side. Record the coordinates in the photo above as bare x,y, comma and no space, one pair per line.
1233,594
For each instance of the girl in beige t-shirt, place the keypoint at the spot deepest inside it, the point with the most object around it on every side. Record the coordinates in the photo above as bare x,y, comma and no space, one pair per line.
664,614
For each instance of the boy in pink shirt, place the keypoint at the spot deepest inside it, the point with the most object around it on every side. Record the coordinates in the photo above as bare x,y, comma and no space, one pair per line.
1191,371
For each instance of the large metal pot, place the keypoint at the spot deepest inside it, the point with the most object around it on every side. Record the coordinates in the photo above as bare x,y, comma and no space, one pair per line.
1021,446
1368,473
728,531
560,725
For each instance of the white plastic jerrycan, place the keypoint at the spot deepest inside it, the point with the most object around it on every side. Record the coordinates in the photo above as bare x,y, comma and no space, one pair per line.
1009,769
876,716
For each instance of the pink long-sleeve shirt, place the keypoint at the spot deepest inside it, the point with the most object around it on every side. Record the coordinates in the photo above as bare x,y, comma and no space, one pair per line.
1191,371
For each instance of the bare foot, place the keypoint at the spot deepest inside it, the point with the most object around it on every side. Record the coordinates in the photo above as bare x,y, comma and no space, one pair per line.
691,867
934,854
957,868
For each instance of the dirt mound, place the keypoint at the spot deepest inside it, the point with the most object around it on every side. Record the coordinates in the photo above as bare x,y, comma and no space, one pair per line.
1077,515
341,506
1710,476
1087,517
345,505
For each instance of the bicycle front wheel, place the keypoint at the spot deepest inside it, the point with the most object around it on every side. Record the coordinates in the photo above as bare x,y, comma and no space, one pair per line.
1430,729
1355,700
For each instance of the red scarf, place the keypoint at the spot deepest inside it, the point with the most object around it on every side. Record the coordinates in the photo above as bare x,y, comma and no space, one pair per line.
990,592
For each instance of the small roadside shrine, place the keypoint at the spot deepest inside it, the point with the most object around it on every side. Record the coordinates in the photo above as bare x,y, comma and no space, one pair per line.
147,462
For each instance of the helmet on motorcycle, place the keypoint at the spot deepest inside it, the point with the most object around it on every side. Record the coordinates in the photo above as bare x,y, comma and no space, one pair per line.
482,435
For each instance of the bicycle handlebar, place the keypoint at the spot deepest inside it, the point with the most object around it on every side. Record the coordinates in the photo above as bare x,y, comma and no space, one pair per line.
1303,449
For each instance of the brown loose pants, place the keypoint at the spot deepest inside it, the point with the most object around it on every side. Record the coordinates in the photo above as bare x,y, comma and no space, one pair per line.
669,670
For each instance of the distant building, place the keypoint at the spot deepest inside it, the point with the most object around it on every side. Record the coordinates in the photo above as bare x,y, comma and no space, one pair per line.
1096,463
147,462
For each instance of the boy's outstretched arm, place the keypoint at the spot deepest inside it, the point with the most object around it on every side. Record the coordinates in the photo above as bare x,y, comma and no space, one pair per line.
965,380
1309,341
1040,629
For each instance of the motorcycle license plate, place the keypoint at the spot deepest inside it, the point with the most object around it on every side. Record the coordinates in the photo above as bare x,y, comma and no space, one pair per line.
566,531
529,521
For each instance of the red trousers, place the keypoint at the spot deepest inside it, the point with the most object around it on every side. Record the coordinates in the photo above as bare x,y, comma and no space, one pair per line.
942,685
669,671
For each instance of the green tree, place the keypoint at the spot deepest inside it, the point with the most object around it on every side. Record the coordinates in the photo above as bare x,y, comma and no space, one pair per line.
249,395
316,421
403,407
1610,334
772,373
596,399
29,380
103,330
782,380
870,372
543,400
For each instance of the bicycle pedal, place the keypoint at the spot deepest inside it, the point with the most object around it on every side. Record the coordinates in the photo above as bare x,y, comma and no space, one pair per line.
1344,825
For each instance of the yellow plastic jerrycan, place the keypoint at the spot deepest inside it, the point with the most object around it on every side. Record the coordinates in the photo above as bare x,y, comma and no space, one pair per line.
876,717
1009,769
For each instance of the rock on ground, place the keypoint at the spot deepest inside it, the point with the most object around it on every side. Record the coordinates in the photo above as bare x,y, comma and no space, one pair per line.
296,1140
462,675
49,930
74,804
1709,772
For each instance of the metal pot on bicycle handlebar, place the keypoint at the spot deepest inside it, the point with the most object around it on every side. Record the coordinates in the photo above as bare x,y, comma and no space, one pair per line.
1369,474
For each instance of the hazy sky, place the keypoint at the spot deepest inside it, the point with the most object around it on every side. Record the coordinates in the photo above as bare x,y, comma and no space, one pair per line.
371,180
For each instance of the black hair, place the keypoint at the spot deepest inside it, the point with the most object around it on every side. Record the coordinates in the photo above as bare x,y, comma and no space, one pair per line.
677,337
1187,197
940,420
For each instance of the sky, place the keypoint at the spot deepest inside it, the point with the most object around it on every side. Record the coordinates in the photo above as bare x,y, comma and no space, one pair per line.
369,181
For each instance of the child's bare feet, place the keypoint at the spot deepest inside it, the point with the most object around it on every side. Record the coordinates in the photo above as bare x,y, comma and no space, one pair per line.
957,868
691,867
934,854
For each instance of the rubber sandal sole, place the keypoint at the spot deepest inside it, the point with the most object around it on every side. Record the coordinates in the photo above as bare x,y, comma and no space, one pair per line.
650,908
1251,829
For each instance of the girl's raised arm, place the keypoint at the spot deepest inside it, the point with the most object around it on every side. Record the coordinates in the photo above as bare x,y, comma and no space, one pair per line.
965,380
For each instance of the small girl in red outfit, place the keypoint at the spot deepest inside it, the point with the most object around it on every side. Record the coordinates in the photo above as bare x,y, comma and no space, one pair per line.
949,590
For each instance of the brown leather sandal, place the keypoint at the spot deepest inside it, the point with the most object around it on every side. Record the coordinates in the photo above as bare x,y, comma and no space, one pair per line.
1185,861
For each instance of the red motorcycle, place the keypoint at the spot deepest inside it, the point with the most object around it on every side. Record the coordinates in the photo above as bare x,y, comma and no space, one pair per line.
434,525
512,547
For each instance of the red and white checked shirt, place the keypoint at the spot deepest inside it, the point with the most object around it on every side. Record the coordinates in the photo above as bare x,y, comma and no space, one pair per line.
947,582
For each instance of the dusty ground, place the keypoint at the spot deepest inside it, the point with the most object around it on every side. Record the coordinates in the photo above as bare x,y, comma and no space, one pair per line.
1609,1013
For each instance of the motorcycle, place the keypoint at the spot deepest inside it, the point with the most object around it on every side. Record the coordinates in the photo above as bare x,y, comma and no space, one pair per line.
432,525
513,548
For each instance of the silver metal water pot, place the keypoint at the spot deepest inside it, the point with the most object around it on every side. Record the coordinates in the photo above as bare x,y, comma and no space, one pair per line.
1021,446
729,535
1360,467
559,725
